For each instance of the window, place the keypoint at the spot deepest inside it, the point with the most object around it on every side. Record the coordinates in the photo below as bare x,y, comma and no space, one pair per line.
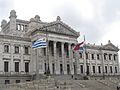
53,68
27,80
110,69
86,55
17,81
45,67
26,66
22,27
98,56
26,50
92,56
115,57
7,81
87,70
81,67
44,51
18,27
16,66
105,69
75,71
61,69
80,55
16,49
105,56
93,69
115,69
6,48
68,69
6,66
99,69
110,56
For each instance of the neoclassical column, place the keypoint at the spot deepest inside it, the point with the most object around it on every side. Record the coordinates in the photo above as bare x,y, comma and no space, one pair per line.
108,64
118,67
84,61
90,64
55,58
63,58
71,59
96,66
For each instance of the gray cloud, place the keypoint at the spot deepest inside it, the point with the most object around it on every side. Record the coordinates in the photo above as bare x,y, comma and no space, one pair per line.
110,9
94,30
5,6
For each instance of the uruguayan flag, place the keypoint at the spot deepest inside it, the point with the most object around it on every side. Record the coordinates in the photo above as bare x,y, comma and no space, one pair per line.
39,43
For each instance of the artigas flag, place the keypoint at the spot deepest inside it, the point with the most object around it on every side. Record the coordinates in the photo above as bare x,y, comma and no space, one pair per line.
39,43
78,46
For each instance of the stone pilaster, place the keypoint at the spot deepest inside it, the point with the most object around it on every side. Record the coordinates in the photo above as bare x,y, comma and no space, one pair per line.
11,61
22,64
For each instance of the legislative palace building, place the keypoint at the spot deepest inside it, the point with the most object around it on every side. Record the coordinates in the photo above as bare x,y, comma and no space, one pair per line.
19,62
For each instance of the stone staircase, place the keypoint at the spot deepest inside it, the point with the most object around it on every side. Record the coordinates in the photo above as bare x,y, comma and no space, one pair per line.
51,83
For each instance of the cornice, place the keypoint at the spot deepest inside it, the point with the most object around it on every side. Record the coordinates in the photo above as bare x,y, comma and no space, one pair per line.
15,38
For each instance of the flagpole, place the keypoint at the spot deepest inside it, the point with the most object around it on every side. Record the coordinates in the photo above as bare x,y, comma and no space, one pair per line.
87,71
37,63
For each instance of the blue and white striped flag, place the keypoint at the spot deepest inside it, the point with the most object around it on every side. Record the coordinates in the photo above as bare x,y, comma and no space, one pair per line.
39,43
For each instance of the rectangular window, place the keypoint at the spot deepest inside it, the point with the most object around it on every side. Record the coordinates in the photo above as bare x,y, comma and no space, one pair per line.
7,81
16,66
53,68
81,67
6,48
115,57
105,56
17,81
45,67
6,66
18,27
105,69
22,27
80,55
92,56
86,55
26,50
93,69
26,66
61,69
16,49
44,51
115,69
99,69
87,70
98,56
27,80
110,69
68,69
110,56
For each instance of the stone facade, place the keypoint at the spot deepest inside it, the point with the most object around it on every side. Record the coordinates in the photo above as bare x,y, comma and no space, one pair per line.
19,62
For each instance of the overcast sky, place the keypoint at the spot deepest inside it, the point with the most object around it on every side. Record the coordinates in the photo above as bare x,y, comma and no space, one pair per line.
98,20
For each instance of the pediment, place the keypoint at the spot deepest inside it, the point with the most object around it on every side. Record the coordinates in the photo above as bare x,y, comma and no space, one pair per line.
110,47
57,27
62,28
